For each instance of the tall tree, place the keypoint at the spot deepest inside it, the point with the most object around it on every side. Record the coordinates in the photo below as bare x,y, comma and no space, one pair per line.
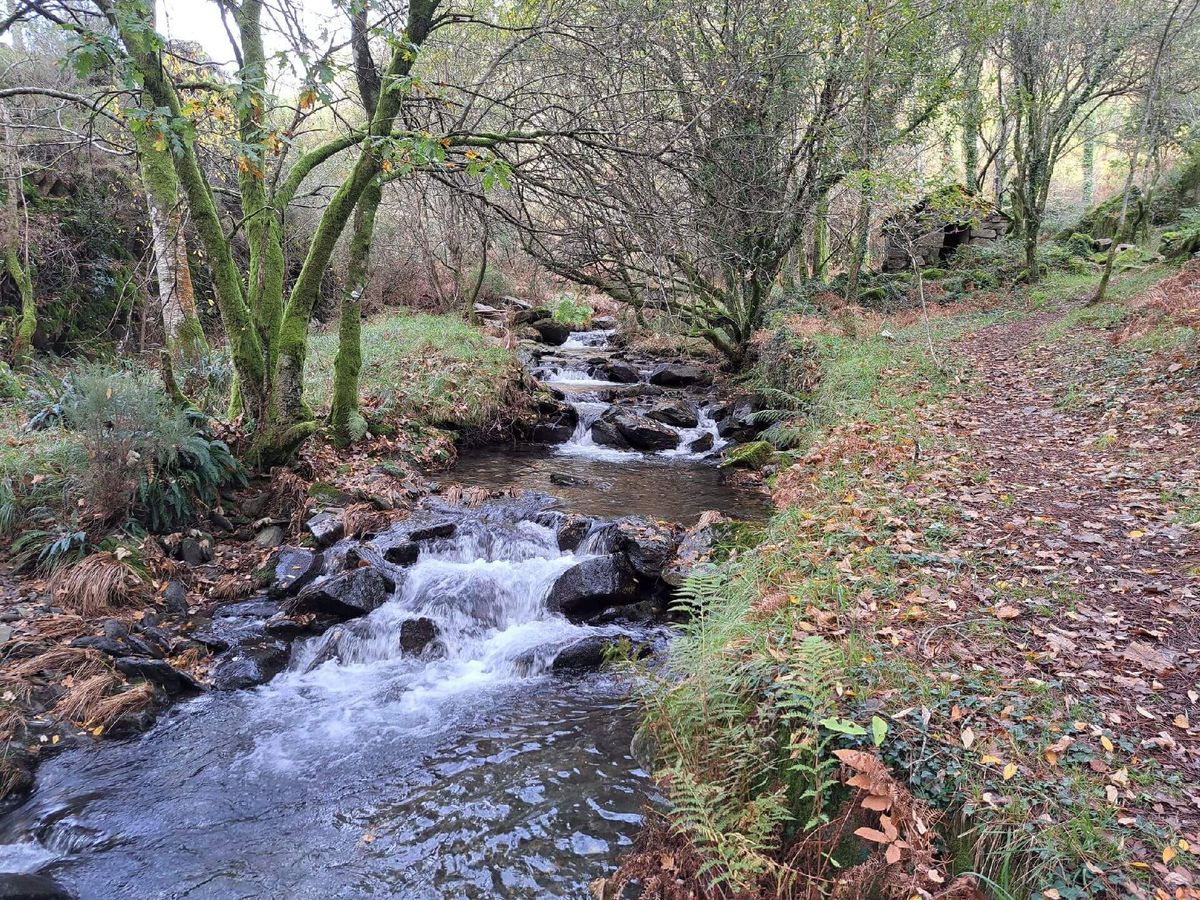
1061,61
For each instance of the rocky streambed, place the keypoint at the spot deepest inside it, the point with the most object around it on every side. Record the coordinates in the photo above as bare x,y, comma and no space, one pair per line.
420,712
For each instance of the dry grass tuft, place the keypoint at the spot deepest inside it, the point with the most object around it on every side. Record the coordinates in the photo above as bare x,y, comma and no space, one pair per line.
59,627
112,708
99,582
78,662
231,587
84,696
99,701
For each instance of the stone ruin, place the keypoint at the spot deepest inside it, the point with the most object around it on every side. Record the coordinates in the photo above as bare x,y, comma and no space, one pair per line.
937,240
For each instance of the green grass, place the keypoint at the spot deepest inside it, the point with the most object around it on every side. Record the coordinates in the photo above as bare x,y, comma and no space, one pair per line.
435,369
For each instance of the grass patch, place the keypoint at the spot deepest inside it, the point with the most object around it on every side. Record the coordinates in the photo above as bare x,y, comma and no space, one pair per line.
436,370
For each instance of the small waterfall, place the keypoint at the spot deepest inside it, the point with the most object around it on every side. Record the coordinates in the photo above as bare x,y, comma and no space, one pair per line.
484,592
705,424
582,340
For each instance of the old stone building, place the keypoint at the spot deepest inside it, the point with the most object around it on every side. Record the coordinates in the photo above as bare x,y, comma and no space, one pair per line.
933,239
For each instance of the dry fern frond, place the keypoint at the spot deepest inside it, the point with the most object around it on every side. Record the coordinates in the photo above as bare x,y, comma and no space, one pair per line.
98,582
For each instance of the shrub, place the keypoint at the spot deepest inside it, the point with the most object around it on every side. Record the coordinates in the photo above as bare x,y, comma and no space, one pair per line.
571,312
495,282
147,459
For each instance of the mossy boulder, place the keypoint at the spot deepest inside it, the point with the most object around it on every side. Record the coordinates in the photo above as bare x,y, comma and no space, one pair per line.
752,455
1103,220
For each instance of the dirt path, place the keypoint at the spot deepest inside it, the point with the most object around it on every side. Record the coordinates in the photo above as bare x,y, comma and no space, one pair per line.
1089,460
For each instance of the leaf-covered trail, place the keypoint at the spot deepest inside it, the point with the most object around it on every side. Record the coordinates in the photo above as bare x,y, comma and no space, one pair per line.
1089,454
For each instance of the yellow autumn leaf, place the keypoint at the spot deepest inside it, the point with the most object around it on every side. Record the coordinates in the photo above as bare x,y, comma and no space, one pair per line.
1181,721
1168,854
1009,771
1106,743
1183,845
988,760
1135,534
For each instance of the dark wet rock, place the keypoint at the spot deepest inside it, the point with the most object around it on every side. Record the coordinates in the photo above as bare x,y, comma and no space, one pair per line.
648,545
346,596
270,537
149,619
679,414
593,584
195,551
551,332
604,323
695,548
640,613
562,479
606,433
159,639
551,433
644,433
26,886
129,645
403,554
294,570
286,628
621,372
573,530
530,316
702,444
676,375
260,609
114,628
735,420
249,666
556,421
327,527
433,530
175,598
160,672
222,523
416,635
255,507
590,653
202,633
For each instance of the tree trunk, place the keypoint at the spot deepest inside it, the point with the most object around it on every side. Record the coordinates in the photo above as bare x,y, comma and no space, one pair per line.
183,336
1089,162
820,247
348,364
16,256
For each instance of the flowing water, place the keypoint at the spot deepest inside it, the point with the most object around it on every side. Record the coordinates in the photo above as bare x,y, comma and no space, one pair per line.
465,771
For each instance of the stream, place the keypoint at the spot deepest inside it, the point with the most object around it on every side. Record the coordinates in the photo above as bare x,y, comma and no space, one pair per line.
472,769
